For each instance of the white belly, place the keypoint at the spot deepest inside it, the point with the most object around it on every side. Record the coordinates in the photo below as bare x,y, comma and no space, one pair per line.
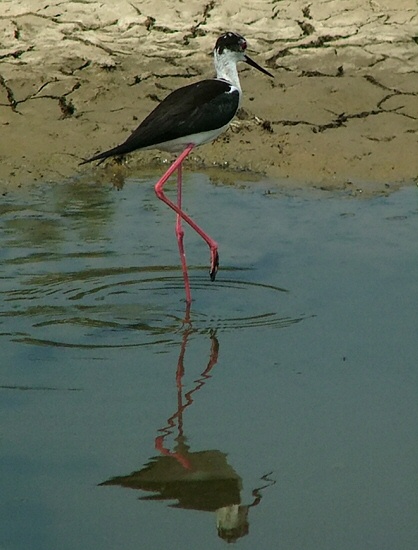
178,145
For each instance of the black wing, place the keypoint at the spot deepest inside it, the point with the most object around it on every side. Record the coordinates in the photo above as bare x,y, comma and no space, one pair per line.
199,107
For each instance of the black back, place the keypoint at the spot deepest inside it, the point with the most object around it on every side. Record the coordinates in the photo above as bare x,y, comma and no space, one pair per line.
200,107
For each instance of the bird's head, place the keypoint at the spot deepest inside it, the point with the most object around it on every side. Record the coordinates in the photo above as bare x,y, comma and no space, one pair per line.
234,46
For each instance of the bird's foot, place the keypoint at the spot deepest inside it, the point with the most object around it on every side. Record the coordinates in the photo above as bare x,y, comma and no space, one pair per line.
214,263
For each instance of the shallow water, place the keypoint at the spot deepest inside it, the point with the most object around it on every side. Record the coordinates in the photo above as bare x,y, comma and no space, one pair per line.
283,416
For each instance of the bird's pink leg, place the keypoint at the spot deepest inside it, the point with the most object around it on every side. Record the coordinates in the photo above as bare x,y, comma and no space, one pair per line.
180,235
214,257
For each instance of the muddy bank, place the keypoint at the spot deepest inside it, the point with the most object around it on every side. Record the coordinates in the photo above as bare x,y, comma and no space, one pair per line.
342,111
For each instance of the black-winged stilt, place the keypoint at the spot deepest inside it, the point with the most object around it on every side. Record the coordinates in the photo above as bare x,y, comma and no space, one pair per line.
188,117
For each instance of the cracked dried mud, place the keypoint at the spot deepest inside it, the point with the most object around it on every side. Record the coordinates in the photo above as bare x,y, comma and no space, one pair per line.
342,112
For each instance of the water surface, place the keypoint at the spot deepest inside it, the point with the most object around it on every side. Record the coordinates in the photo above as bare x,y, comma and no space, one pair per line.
282,416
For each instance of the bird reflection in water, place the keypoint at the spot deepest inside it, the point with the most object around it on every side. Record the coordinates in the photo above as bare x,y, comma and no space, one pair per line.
200,480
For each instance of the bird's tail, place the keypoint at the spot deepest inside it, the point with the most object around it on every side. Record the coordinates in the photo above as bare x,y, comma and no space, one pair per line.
118,150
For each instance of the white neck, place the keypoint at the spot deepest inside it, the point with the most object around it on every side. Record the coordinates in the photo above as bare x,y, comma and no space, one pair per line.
226,67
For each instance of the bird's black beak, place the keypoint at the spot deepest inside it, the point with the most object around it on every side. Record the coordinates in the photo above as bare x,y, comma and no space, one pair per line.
257,66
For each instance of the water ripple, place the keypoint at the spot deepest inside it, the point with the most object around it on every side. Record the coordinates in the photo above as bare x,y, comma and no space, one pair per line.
121,307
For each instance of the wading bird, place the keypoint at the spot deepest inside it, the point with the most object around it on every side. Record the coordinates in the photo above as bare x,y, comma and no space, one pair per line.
188,117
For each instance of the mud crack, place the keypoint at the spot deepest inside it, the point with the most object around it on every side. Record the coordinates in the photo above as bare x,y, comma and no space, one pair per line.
196,30
66,105
9,92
